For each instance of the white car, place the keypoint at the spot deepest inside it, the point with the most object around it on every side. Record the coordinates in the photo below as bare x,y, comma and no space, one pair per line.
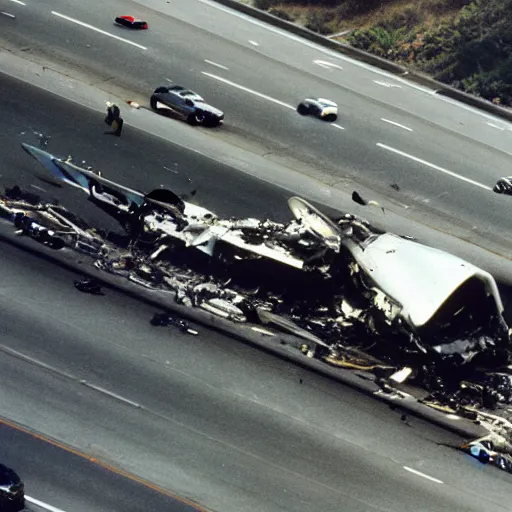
324,109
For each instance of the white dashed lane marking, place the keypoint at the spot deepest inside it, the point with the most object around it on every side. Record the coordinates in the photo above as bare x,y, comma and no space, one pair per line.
433,166
86,25
216,64
387,84
423,475
327,65
396,124
246,89
18,2
254,43
496,126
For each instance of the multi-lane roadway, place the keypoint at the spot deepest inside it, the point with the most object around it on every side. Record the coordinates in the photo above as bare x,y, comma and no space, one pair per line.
444,156
206,417
62,479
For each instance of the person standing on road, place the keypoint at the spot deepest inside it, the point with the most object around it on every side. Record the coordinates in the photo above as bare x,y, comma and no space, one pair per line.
114,119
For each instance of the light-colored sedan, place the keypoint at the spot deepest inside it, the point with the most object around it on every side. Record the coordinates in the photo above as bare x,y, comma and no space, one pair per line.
324,109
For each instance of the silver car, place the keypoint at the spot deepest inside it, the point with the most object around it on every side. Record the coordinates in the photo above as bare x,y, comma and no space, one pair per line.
185,104
324,109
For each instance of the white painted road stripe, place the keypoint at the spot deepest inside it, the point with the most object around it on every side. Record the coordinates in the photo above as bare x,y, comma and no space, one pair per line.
86,25
35,362
42,504
327,64
434,166
110,393
396,124
246,89
215,64
337,126
419,473
18,2
387,84
496,126
254,43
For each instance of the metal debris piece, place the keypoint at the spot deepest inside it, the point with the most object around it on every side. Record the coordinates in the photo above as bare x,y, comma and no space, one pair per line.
89,286
164,320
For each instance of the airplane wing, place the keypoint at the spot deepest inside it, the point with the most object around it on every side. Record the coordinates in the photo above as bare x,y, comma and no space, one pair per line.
61,171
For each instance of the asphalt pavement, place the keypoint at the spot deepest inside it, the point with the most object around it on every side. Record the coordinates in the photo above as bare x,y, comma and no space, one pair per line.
207,417
63,478
444,157
136,160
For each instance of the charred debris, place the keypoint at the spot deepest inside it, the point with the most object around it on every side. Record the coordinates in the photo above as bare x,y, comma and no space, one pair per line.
355,296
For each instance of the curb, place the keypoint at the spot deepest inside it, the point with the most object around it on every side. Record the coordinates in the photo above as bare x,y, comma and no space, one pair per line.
283,346
379,62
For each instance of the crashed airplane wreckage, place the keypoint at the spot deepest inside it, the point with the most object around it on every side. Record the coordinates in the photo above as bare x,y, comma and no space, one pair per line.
355,295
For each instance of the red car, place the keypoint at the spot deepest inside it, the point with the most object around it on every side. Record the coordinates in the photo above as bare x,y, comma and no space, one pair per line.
131,22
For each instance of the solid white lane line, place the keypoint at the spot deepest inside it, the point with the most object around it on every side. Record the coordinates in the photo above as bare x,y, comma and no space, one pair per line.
86,25
419,473
42,504
337,126
396,124
246,89
18,2
434,166
215,64
496,126
254,43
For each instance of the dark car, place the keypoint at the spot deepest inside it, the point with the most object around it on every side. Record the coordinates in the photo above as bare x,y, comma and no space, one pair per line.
185,104
131,22
12,490
504,186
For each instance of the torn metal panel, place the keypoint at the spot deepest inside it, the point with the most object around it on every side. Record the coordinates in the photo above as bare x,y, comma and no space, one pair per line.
419,278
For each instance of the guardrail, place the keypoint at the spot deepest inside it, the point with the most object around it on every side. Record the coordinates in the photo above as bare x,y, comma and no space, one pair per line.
355,53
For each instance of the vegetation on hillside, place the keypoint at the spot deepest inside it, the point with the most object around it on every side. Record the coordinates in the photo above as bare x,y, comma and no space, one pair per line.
464,43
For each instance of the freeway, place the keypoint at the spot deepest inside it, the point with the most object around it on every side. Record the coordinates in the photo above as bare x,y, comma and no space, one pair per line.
261,434
60,479
445,157
213,420
136,160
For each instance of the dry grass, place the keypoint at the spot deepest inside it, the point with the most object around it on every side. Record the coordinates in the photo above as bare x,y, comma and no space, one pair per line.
430,13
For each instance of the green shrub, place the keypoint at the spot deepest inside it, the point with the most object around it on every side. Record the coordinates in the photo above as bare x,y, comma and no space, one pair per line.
318,21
